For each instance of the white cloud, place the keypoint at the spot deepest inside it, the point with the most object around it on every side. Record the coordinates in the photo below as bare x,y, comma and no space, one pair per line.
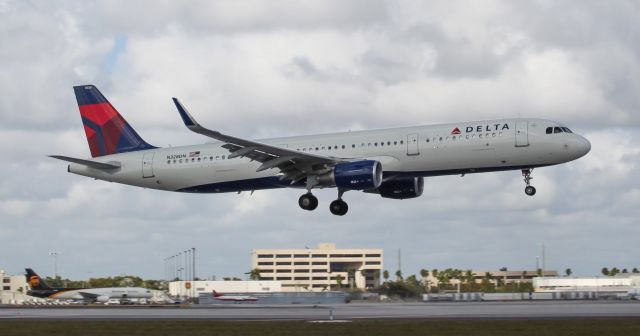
261,69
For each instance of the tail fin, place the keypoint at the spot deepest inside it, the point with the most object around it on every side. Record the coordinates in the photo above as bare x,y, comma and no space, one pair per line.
34,280
107,131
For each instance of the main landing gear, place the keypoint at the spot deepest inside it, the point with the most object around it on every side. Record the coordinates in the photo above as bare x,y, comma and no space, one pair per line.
308,201
338,207
529,189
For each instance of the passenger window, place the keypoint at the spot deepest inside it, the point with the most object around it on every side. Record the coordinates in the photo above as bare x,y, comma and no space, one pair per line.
353,145
316,148
336,147
440,138
198,159
401,142
453,138
329,148
382,144
375,144
174,160
427,139
211,158
223,157
549,130
480,136
343,147
168,161
557,130
388,143
395,143
180,160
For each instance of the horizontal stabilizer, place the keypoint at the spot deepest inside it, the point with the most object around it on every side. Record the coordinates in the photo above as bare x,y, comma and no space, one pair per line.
89,163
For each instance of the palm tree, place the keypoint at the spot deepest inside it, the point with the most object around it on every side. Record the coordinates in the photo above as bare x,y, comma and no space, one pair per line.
399,275
339,280
568,272
605,271
385,275
254,274
635,270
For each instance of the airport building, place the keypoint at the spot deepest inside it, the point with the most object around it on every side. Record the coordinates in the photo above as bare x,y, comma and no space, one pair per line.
190,289
320,269
622,283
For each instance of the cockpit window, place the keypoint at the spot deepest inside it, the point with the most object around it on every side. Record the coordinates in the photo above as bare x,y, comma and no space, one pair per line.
566,129
549,130
557,130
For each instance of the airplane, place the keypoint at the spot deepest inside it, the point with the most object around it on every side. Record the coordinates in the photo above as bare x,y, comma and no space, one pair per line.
233,298
389,162
40,289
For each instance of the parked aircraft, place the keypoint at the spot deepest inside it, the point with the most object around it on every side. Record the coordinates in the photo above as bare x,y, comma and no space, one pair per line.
39,288
389,162
233,298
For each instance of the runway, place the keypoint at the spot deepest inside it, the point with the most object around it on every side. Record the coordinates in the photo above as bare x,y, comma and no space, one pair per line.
353,311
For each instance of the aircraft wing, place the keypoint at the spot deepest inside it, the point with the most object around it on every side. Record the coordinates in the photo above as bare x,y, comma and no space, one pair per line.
88,296
294,165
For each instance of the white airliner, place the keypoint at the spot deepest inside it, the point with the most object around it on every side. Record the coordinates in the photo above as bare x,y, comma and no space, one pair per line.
389,162
232,297
38,288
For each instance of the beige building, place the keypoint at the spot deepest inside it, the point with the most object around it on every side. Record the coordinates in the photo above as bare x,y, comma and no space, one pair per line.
319,269
13,283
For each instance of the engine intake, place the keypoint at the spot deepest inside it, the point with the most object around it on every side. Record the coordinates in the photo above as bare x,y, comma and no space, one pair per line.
359,175
402,188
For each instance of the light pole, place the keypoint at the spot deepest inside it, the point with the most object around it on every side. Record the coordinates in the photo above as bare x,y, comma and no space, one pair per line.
54,256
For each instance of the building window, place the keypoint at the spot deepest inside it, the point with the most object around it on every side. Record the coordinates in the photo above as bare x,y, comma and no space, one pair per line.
346,256
319,271
372,255
261,263
372,263
6,280
280,263
6,288
301,278
301,263
319,278
283,271
283,256
318,256
266,278
265,255
301,256
283,278
319,263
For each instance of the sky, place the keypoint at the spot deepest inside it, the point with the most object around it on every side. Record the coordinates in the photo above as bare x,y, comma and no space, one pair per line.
257,69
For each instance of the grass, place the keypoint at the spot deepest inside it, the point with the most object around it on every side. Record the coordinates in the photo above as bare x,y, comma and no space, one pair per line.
582,327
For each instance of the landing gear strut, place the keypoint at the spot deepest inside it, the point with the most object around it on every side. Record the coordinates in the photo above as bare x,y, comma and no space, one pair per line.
308,201
529,189
339,207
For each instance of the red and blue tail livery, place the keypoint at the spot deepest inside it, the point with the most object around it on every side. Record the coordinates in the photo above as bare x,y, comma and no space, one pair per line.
106,130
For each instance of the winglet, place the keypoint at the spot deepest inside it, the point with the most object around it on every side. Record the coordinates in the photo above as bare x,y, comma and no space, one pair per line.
186,117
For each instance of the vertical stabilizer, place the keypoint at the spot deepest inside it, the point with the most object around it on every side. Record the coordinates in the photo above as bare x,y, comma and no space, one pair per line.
106,130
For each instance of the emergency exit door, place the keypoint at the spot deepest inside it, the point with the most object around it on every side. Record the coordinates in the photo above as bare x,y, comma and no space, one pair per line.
147,165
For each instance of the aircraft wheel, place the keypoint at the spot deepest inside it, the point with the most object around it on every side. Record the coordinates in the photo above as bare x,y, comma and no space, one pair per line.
339,207
530,190
308,202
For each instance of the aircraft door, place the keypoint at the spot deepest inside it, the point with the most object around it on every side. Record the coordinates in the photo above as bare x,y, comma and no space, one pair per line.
147,165
412,144
522,133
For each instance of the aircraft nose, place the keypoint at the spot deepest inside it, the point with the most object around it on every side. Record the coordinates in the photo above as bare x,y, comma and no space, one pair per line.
582,146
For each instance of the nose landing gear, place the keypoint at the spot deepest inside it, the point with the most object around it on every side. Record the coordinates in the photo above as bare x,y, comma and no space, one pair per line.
529,189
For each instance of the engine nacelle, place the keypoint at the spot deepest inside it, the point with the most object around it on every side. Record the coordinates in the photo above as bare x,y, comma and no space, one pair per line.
402,188
359,175
103,298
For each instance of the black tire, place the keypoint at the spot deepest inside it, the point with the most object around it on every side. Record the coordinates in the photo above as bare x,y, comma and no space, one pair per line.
308,202
530,190
339,207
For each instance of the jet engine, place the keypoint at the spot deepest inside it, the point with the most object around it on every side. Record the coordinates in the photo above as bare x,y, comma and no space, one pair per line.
102,298
358,175
402,188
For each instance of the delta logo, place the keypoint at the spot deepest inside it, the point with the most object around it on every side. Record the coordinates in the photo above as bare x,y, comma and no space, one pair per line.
481,128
